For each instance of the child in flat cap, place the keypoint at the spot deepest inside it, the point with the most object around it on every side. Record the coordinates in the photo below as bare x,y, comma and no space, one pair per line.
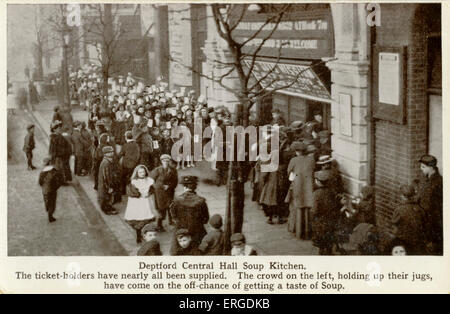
50,181
29,145
239,247
151,247
212,243
183,244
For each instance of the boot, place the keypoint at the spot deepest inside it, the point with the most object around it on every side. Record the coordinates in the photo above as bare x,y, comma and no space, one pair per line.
51,218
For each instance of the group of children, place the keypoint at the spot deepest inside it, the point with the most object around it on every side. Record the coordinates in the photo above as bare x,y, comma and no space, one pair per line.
211,244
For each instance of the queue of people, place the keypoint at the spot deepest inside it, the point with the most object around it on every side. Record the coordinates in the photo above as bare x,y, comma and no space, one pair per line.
307,192
126,145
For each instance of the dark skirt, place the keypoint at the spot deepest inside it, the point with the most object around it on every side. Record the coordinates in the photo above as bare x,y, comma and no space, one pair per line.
139,224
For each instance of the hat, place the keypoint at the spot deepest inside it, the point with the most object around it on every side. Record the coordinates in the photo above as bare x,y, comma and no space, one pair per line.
298,146
324,159
150,227
165,156
30,126
407,190
324,134
428,160
182,232
189,179
296,124
107,149
322,175
216,221
317,112
237,237
308,141
201,99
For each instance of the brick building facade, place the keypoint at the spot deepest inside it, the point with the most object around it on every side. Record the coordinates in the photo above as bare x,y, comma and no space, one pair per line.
373,150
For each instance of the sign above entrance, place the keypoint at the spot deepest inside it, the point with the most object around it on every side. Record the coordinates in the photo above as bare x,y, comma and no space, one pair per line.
301,79
305,35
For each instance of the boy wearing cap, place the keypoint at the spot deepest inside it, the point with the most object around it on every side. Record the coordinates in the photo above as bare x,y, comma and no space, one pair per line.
151,246
212,243
239,247
106,182
408,222
183,244
50,180
325,214
430,198
166,180
29,145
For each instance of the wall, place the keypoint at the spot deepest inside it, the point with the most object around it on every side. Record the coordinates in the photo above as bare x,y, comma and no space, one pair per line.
399,147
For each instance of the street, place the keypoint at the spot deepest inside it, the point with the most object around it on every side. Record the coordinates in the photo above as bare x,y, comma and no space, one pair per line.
29,232
82,229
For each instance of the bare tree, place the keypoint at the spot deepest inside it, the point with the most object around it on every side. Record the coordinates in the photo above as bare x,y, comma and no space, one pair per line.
244,52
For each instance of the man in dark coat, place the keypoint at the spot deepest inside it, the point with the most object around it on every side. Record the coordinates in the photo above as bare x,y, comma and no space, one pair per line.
277,119
190,211
430,198
130,156
59,149
166,180
29,145
50,180
79,144
87,148
106,182
325,213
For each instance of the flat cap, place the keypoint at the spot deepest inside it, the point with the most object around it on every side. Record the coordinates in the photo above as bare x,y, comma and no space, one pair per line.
165,157
30,126
296,124
182,233
107,149
428,160
151,227
237,237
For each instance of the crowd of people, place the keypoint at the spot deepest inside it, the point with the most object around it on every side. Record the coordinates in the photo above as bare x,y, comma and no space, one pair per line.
126,145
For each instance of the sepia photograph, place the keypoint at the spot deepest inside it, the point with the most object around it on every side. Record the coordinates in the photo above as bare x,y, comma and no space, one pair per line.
224,129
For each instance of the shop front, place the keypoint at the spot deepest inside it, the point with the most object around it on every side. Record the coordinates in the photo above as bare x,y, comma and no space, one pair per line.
292,62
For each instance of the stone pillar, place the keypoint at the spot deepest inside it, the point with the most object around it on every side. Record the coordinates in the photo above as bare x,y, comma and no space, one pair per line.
216,49
350,76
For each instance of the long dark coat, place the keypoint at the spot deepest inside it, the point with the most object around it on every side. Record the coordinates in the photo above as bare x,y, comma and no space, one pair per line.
269,190
106,180
302,186
325,213
190,211
163,177
79,143
430,198
29,143
408,223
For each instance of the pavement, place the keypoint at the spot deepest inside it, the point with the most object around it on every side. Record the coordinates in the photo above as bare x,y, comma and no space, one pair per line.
75,232
267,239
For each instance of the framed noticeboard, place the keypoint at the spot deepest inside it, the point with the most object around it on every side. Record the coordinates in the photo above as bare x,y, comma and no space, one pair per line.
389,84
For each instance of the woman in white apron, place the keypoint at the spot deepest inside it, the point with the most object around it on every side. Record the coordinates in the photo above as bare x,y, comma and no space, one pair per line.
141,208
